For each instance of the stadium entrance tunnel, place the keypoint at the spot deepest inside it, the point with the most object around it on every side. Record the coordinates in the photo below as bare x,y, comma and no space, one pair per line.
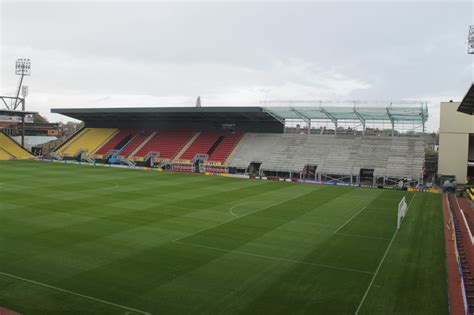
254,168
309,172
366,176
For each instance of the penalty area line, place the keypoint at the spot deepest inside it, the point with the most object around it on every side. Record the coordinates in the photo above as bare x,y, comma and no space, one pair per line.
380,264
275,258
73,293
350,219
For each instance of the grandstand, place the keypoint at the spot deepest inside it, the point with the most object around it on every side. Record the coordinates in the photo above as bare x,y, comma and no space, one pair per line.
259,141
334,155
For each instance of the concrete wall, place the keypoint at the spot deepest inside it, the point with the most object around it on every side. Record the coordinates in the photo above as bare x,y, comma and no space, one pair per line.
454,132
453,121
452,158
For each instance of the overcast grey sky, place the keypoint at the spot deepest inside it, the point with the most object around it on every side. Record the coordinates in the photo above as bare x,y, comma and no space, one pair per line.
103,54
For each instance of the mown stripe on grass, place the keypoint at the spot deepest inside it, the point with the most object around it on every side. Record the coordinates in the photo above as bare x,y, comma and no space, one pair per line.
381,262
114,223
169,259
412,279
74,293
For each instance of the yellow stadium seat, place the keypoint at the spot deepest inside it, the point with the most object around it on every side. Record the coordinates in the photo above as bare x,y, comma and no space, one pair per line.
470,194
89,140
9,149
4,155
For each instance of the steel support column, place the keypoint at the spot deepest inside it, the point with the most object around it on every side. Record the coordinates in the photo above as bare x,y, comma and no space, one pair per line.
305,118
361,119
392,120
23,124
332,118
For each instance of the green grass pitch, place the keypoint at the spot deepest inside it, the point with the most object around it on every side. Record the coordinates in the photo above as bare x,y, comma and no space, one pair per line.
96,240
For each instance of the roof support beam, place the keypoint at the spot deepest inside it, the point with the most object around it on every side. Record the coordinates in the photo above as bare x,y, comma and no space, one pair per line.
6,105
423,118
362,120
332,118
306,119
274,115
392,120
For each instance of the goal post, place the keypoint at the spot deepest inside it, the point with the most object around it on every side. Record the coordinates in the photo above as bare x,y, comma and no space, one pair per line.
402,210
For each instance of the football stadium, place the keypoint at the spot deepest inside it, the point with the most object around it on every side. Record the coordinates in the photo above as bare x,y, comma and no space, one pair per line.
228,210
313,206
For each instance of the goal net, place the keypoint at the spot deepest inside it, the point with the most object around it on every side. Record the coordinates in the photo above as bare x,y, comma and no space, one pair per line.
402,210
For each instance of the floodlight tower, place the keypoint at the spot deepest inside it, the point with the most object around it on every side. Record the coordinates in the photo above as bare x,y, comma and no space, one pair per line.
470,40
24,93
22,68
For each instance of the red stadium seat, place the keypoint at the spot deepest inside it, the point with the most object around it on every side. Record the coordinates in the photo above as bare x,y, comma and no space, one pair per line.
168,143
115,140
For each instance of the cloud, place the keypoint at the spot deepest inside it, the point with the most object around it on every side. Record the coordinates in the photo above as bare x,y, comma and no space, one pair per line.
165,54
60,80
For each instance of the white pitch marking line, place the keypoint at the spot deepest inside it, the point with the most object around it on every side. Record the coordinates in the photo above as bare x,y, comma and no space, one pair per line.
116,185
380,264
459,206
227,221
365,236
350,219
73,293
238,205
275,258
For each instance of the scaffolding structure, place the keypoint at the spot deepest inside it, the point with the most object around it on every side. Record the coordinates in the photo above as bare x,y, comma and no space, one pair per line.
357,117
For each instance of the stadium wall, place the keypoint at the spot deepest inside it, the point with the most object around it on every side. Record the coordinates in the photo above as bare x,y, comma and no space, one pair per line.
454,131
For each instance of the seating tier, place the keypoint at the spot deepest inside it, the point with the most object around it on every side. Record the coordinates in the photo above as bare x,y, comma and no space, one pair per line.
168,143
87,140
9,149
